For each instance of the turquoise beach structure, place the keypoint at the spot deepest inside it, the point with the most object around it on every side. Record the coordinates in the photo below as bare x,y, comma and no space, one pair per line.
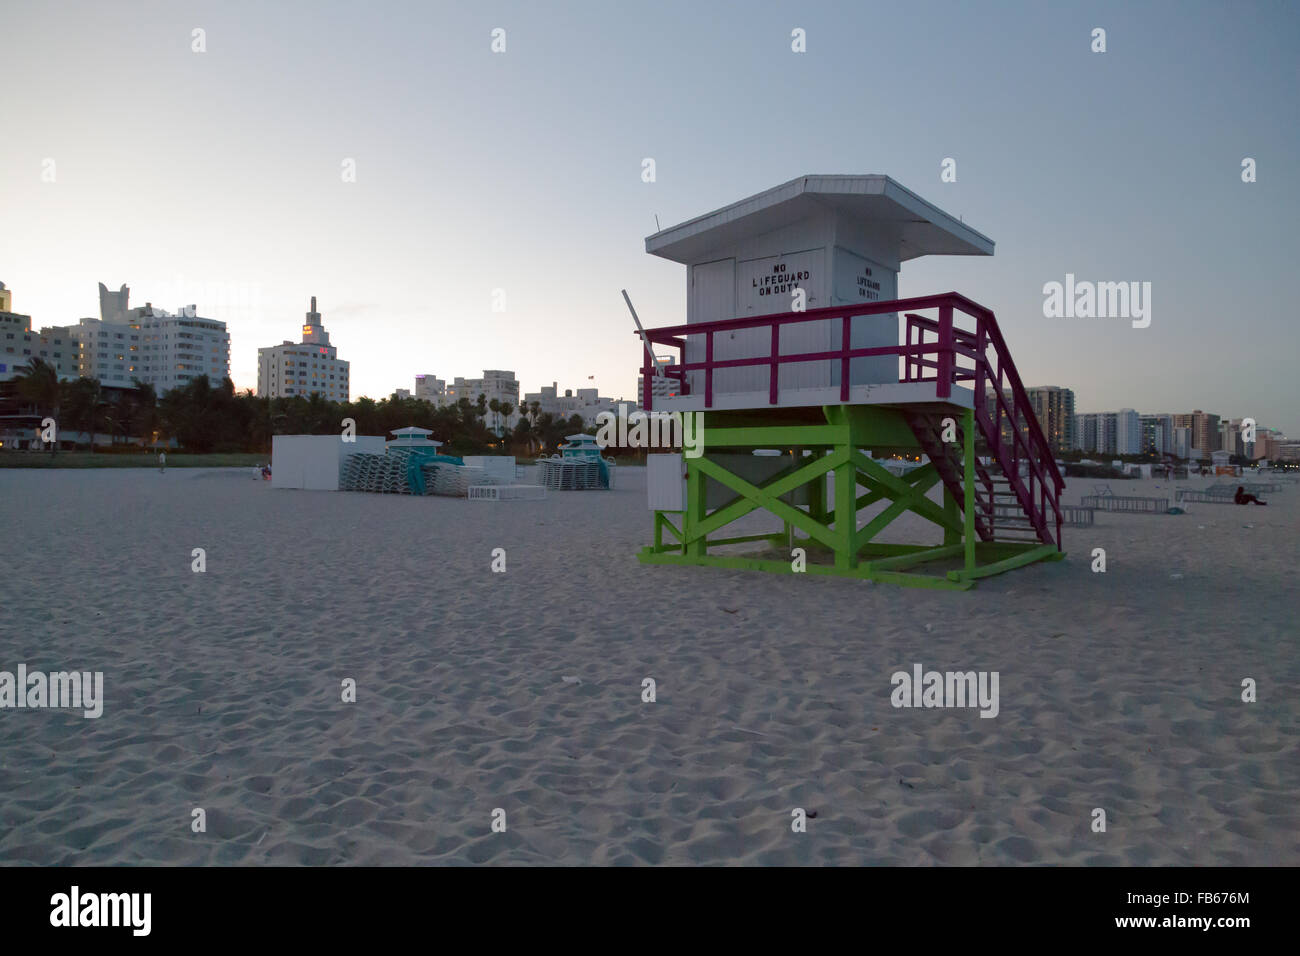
580,466
793,343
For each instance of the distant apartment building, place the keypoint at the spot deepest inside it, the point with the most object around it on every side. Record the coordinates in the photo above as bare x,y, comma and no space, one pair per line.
1205,429
309,367
124,344
1109,433
148,343
494,384
1268,444
1230,436
1158,434
1054,408
1183,442
1287,451
19,344
430,388
585,402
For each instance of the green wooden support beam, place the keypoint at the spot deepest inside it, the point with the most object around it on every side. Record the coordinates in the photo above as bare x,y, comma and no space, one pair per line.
846,513
761,497
911,502
784,567
692,541
1043,552
904,561
898,488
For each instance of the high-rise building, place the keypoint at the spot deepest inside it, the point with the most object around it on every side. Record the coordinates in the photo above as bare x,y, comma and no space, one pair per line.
304,368
1128,432
146,343
1205,429
1158,434
1109,433
1054,408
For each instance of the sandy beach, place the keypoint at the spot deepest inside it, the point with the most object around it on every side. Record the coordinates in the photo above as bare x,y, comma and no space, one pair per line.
522,690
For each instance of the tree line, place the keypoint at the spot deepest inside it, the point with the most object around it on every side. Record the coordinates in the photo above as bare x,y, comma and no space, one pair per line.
203,417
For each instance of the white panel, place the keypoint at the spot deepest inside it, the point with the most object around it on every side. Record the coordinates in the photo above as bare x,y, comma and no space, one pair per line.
713,297
767,288
499,469
312,461
665,482
858,279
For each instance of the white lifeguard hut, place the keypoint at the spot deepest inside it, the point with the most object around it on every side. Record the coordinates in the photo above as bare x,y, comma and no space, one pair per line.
792,341
813,243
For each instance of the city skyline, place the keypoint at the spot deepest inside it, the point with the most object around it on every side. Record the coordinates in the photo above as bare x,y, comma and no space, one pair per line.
416,392
521,185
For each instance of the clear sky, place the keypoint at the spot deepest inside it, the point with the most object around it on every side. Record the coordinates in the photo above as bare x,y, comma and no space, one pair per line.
221,171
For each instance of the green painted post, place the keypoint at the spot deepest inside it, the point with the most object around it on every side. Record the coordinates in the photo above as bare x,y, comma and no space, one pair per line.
695,506
968,479
953,510
817,494
846,515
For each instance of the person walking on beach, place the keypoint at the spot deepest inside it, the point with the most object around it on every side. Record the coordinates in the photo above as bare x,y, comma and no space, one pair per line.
162,462
1242,498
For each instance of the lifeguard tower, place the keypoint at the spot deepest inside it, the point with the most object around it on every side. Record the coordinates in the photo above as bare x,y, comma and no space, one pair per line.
792,342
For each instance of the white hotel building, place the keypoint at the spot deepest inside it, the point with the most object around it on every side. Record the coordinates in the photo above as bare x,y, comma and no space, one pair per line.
498,384
585,402
146,343
311,366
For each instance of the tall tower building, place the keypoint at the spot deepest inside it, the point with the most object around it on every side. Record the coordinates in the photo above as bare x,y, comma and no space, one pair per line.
1054,408
309,367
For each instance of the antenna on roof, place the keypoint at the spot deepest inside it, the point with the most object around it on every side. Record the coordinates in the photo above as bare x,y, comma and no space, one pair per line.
659,372
658,228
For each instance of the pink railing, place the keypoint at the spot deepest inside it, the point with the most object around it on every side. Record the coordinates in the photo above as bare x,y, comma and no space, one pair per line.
953,355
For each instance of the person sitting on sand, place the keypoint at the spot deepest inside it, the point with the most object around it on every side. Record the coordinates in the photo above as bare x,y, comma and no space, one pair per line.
1242,498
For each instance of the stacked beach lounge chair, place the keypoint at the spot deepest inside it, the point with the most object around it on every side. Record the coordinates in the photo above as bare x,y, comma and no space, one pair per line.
413,465
578,467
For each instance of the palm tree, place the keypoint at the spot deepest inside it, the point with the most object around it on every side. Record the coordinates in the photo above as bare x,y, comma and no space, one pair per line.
82,403
495,407
38,383
122,413
146,404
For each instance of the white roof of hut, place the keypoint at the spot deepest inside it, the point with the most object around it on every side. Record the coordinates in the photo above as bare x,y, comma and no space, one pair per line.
920,228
